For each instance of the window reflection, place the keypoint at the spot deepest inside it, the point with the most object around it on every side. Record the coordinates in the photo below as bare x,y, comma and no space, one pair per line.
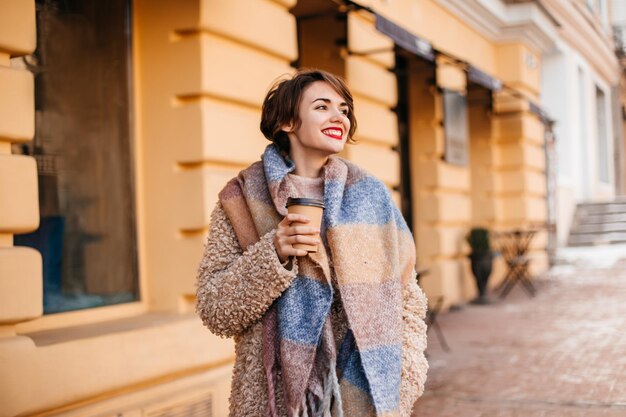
82,146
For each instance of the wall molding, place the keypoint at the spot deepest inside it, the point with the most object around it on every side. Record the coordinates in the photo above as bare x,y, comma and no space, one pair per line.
502,23
543,26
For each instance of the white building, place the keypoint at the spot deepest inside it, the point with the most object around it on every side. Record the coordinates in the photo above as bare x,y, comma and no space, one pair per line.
580,75
579,90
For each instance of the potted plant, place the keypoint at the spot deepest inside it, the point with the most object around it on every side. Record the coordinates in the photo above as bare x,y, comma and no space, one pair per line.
481,258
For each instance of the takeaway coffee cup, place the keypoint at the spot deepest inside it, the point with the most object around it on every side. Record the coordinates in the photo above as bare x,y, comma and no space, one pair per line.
313,209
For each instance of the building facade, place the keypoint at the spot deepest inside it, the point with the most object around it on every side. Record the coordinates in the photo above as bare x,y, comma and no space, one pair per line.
579,87
122,120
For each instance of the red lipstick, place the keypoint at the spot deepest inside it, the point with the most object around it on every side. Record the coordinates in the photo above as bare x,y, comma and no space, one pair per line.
334,132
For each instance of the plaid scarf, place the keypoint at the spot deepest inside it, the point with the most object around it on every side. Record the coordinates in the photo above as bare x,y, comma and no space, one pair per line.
372,252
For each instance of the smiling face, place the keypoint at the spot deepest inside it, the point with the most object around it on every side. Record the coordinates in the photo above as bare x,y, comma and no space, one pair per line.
324,122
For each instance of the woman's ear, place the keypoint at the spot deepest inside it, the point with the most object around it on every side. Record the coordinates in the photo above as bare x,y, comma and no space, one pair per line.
287,128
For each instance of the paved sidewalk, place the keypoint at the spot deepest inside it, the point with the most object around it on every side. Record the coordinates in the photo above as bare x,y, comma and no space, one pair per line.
561,354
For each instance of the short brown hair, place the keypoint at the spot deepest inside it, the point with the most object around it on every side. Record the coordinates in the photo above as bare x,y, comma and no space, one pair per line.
282,103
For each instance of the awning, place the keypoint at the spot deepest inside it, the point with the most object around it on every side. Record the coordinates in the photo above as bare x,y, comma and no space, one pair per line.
482,78
405,39
539,112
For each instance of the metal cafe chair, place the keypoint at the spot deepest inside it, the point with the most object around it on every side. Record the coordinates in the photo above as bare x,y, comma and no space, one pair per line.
514,246
432,312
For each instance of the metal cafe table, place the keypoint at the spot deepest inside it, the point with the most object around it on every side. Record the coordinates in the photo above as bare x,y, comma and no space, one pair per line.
514,246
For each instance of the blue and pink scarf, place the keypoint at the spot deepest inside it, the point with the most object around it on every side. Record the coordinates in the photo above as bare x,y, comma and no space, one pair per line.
372,254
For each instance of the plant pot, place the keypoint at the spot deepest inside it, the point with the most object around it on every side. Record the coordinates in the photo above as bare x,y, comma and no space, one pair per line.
481,264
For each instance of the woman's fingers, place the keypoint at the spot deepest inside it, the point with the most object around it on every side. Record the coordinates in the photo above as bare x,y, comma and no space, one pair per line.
307,240
296,224
293,229
285,249
287,241
293,217
301,230
291,251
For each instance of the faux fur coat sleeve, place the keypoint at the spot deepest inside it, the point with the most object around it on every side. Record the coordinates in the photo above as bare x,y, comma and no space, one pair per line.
414,362
235,288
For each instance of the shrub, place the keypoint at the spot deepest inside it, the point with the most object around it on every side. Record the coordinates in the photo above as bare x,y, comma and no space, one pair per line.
478,239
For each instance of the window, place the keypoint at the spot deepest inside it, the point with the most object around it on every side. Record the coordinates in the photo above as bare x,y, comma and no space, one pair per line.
456,128
83,150
583,152
603,140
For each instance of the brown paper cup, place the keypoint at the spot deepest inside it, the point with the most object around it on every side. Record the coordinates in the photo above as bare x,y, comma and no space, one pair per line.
311,208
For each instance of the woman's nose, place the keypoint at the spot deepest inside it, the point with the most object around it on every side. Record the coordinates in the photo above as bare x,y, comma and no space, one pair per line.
336,115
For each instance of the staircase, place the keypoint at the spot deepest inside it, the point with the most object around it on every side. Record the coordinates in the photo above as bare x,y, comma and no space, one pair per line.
599,223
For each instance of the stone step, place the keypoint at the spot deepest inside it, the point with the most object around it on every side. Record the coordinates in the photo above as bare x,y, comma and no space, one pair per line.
602,218
598,223
597,239
616,200
587,228
607,208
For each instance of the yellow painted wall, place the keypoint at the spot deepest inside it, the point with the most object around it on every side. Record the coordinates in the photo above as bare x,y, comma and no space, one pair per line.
441,204
318,45
431,21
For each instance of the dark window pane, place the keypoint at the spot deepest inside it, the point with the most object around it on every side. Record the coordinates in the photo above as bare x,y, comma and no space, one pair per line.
83,150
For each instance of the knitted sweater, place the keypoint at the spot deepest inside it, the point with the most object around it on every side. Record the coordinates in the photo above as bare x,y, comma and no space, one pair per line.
235,289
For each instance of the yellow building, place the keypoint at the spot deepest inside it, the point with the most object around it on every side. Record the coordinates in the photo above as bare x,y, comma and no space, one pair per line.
121,120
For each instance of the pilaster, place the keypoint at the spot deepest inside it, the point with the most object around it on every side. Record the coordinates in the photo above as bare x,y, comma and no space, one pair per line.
199,121
374,87
442,203
20,268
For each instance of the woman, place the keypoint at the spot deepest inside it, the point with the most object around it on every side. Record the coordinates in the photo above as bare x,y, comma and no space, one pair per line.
339,332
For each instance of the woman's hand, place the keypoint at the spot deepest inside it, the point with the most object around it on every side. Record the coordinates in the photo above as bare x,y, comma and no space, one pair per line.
293,229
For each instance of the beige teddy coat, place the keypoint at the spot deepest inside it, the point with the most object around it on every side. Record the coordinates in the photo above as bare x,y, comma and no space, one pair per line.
235,289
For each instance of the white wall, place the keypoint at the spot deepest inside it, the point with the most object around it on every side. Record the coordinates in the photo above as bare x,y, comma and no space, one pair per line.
569,96
559,100
597,189
618,18
618,12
